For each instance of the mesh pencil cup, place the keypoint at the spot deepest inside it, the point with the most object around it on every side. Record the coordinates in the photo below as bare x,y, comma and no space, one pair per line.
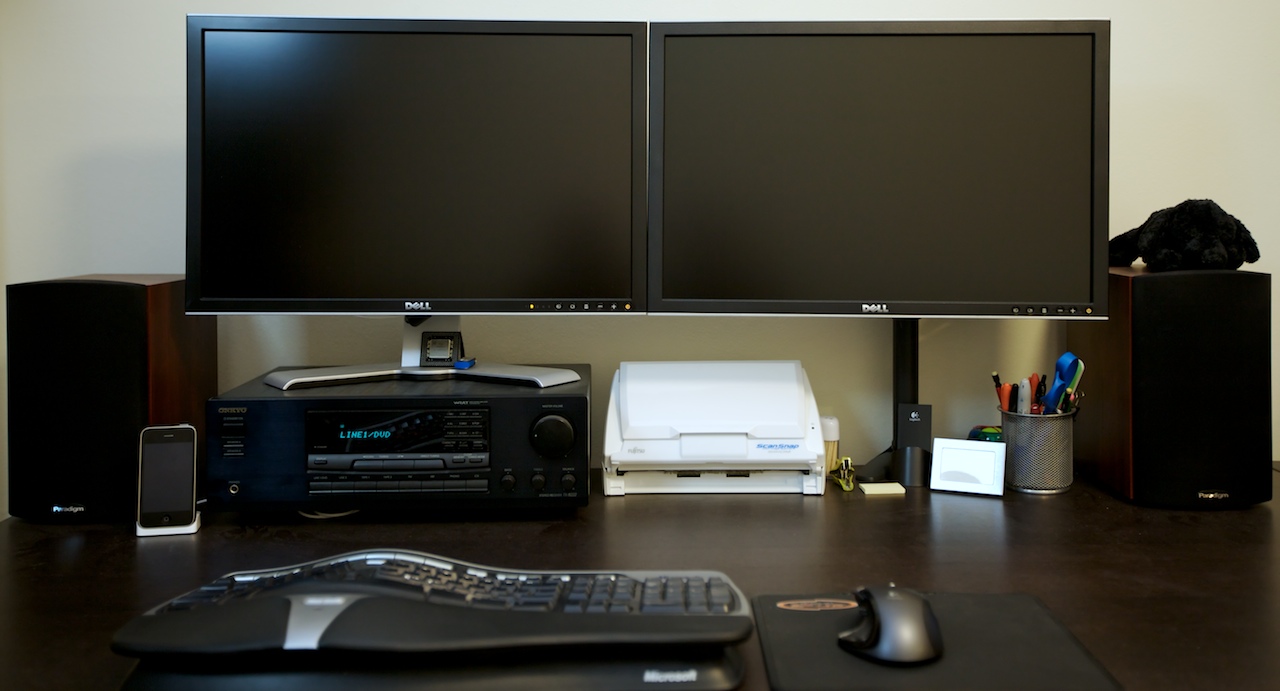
1038,452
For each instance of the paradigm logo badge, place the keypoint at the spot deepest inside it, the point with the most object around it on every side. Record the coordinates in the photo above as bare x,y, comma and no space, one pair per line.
70,508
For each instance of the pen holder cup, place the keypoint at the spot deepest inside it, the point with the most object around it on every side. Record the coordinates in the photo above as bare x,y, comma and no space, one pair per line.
1038,452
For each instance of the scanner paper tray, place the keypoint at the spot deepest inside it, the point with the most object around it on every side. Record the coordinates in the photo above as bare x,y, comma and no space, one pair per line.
699,427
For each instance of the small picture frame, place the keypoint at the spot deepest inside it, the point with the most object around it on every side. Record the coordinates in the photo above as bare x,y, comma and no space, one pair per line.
965,465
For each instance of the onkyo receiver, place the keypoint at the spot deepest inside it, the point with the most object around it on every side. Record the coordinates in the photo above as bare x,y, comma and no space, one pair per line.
403,445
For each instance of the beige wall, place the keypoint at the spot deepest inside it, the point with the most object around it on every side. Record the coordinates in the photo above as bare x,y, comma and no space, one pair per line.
92,127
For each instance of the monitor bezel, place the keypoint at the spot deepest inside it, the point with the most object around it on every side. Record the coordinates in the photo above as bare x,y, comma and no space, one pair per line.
197,302
884,306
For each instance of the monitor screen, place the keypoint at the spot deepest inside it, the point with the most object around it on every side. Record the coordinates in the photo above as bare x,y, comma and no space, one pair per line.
357,166
901,169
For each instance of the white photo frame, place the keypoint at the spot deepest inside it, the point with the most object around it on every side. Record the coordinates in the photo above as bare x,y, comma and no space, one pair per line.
965,465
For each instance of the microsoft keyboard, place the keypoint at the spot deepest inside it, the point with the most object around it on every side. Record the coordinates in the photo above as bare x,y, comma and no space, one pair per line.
403,601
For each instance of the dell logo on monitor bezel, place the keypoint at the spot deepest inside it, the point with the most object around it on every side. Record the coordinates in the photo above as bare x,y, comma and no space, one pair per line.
417,305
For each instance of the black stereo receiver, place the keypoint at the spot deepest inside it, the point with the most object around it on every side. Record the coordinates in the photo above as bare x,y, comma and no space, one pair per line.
400,444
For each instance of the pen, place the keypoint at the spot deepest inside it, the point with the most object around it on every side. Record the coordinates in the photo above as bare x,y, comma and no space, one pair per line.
1004,394
1024,396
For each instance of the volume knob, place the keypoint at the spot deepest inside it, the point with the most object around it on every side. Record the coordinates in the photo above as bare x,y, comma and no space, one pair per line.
552,436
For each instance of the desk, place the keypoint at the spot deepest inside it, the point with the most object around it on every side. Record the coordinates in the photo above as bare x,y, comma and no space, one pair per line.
1164,599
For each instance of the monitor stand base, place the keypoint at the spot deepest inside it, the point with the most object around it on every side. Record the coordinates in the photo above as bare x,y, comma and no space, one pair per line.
432,349
908,466
527,375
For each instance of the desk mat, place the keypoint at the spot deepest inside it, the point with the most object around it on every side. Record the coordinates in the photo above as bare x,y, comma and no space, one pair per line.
989,641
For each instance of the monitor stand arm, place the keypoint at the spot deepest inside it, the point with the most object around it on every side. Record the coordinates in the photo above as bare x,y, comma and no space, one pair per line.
908,465
431,349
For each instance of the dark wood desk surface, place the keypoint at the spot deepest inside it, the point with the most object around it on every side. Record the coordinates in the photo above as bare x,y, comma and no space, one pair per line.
1164,599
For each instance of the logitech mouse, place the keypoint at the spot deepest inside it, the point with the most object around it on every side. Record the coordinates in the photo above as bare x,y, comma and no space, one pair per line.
895,626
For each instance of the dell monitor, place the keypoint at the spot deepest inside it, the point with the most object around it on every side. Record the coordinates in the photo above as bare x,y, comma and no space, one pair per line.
885,169
416,168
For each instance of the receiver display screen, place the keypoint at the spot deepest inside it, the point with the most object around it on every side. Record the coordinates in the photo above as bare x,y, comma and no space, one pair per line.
397,431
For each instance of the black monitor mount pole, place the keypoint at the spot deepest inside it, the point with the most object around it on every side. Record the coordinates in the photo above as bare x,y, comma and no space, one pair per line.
907,460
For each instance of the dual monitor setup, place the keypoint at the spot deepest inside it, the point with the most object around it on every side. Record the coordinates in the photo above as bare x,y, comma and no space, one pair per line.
422,167
870,168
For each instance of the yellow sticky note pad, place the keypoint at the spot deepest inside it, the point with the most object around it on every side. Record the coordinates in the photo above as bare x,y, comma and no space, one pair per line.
882,488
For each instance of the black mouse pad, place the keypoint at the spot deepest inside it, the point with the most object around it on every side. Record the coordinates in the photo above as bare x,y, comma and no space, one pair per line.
989,641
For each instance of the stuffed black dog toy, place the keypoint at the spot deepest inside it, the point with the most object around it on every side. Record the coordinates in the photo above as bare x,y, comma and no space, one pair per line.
1196,234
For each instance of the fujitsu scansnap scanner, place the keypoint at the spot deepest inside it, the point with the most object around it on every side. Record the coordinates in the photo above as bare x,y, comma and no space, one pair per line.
713,427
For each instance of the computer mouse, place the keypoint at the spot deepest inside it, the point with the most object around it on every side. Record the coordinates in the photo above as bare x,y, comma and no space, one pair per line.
895,626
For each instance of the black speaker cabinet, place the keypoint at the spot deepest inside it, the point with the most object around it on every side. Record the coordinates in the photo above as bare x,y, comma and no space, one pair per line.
1177,384
93,360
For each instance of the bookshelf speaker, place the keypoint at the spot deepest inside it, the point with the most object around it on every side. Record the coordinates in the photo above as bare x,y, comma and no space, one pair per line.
93,360
1177,406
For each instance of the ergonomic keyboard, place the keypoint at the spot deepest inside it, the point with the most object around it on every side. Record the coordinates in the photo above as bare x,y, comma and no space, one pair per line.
392,601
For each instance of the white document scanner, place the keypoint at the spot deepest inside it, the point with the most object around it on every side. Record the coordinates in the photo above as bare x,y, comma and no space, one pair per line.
713,427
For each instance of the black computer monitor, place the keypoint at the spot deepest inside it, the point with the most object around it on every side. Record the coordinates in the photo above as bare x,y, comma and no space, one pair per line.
415,167
901,169
886,169
363,166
